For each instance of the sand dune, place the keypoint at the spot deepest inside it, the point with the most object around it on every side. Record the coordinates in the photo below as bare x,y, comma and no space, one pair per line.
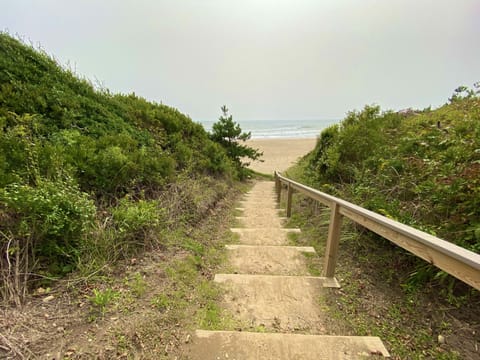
280,154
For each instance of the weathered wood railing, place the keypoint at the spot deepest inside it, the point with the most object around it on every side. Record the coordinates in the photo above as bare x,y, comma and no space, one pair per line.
455,260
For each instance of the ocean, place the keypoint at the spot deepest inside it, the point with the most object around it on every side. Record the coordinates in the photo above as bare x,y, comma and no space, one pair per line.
265,129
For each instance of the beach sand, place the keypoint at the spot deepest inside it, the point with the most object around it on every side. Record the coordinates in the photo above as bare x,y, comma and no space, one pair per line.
280,154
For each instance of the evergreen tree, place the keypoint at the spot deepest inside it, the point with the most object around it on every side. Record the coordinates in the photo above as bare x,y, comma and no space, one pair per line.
229,135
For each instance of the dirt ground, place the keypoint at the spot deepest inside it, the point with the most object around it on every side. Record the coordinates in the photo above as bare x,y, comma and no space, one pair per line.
156,299
63,324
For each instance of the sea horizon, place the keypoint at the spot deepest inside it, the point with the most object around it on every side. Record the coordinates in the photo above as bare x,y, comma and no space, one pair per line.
278,129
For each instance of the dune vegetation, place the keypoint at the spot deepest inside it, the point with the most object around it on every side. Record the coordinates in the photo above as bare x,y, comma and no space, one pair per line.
419,167
88,177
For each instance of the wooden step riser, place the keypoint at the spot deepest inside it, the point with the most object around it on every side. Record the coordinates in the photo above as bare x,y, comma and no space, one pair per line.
271,346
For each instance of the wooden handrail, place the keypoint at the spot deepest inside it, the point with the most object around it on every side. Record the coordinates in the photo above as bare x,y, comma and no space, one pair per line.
453,259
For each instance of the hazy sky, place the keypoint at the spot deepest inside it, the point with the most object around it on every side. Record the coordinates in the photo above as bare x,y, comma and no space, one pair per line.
264,59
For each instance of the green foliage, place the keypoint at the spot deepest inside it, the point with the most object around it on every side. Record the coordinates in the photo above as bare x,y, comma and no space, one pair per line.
80,168
101,299
421,168
228,134
52,217
161,301
341,149
137,284
111,144
464,92
134,218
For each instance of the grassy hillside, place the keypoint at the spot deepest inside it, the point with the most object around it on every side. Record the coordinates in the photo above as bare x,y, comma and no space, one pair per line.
421,168
87,176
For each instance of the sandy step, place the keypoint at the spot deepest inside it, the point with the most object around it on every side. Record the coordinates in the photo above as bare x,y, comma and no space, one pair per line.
261,221
270,204
260,200
267,194
260,197
254,196
253,230
306,249
274,346
283,303
264,236
271,260
264,209
273,211
264,216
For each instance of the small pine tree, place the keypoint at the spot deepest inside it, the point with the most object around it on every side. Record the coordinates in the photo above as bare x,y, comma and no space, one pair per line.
228,134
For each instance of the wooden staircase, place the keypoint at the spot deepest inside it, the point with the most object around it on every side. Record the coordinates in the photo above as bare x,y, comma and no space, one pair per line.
271,293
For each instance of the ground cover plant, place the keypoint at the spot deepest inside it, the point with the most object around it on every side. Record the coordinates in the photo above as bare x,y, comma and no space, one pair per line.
83,171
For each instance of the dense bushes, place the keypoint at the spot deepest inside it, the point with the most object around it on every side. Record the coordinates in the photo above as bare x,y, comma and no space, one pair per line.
421,168
81,166
42,228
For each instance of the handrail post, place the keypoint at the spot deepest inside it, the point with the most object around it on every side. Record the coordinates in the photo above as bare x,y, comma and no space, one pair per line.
277,183
331,251
279,189
289,200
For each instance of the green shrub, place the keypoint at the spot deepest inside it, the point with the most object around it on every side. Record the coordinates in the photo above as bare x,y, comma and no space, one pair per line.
133,219
66,147
421,168
52,217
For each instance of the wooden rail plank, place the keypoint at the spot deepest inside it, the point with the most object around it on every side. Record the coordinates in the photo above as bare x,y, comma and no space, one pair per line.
460,269
457,261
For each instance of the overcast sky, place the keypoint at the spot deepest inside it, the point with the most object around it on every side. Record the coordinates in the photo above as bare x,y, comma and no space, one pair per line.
264,59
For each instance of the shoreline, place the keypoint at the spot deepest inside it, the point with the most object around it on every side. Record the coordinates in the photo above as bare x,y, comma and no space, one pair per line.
280,153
